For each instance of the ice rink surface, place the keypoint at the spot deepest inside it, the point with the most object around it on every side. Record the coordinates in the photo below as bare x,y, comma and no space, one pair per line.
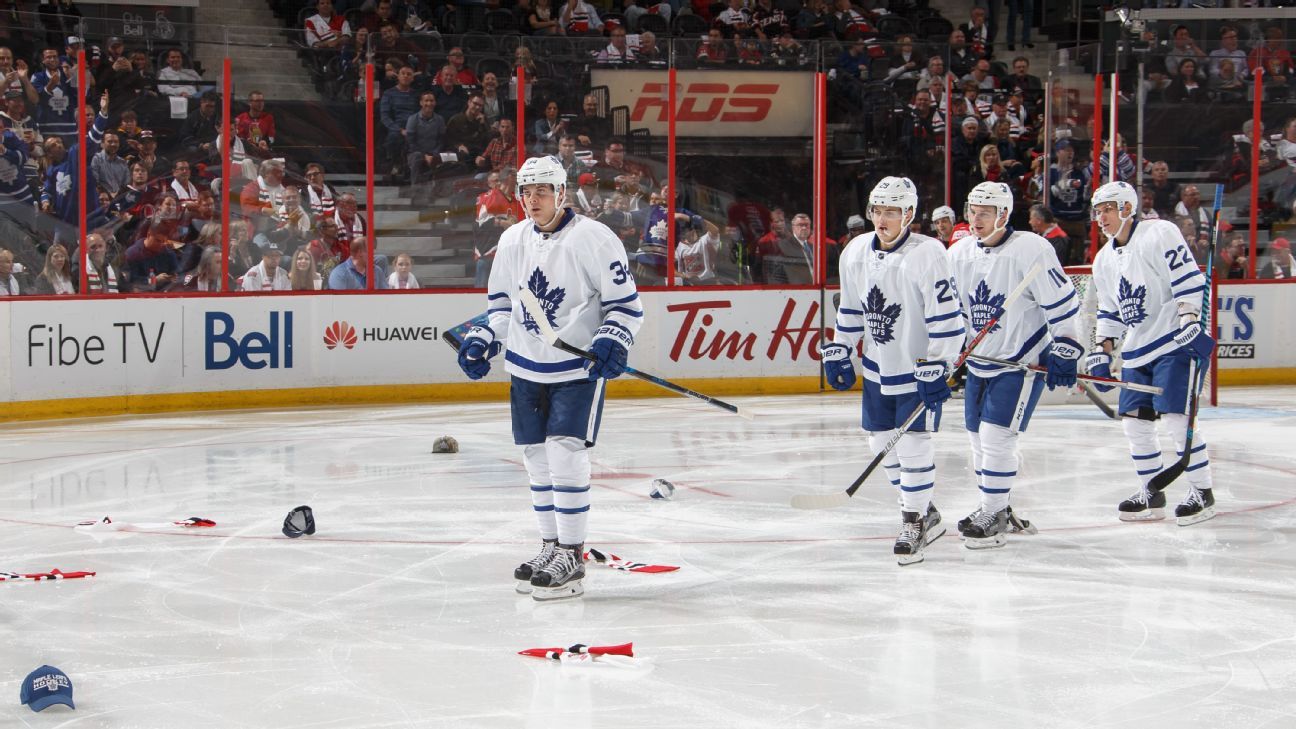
400,612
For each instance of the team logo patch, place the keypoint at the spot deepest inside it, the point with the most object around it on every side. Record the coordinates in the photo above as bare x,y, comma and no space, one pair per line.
983,306
1131,301
550,300
881,316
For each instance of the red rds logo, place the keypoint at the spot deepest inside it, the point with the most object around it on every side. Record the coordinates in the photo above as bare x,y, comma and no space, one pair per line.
339,332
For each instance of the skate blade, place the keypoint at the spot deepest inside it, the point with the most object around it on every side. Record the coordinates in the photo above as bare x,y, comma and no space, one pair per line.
994,542
1021,526
1199,517
907,559
523,587
935,533
1145,515
563,592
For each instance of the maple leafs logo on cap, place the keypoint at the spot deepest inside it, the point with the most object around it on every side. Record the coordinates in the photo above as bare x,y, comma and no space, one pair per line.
1131,300
881,316
550,300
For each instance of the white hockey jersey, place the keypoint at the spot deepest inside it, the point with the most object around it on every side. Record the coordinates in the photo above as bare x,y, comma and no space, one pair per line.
580,275
905,301
1141,286
1048,306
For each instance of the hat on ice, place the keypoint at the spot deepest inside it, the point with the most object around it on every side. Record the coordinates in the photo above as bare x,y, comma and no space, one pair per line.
45,687
298,522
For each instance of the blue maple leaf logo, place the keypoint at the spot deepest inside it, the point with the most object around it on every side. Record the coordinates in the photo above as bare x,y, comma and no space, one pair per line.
983,306
1131,300
550,300
881,317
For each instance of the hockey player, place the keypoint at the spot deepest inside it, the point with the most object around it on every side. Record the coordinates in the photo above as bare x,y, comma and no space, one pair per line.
1150,295
1038,328
577,269
896,287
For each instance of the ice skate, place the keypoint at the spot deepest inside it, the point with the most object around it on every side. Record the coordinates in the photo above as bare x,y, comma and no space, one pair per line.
1143,506
911,544
932,524
527,569
561,577
1197,507
986,530
963,523
1018,525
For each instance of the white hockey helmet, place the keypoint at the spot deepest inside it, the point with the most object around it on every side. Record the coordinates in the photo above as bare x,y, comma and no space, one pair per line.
896,192
545,170
1119,193
946,212
994,194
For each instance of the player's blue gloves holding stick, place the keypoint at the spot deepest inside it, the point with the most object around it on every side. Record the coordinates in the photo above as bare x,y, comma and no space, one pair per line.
933,383
475,352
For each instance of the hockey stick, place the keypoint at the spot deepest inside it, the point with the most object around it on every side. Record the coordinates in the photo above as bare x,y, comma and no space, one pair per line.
625,649
533,308
454,335
828,501
625,565
1095,399
54,574
1151,389
1198,378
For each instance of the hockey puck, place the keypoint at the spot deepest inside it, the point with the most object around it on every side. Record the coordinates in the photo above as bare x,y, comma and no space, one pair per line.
661,489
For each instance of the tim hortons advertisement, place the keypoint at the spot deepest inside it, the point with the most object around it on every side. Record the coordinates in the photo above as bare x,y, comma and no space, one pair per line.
716,103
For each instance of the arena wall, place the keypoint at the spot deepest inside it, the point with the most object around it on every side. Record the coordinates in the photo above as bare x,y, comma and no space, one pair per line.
90,357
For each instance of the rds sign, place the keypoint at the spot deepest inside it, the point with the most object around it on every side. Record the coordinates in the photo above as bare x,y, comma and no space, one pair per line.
223,347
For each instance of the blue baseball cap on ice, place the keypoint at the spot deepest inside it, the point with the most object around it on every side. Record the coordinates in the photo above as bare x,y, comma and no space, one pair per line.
45,687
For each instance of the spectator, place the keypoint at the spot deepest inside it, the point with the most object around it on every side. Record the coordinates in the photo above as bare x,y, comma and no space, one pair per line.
175,71
63,174
617,51
1273,48
1069,185
543,20
267,275
397,106
617,217
110,170
1228,51
15,77
1186,87
56,112
1184,48
207,276
569,161
1190,207
697,244
934,73
1226,86
56,278
1027,10
906,63
1280,260
134,202
319,193
1045,225
16,118
256,126
591,130
923,137
244,254
328,250
991,168
292,219
130,86
976,33
8,282
198,135
502,150
749,52
734,18
615,167
977,104
999,111
1232,260
467,134
1021,78
1126,167
496,106
351,225
156,164
578,17
195,219
262,196
1276,80
852,65
847,22
326,29
786,52
548,130
352,274
451,98
587,201
303,276
814,20
383,12
101,277
715,50
648,51
1165,192
1147,204
181,184
497,209
980,73
391,47
522,57
424,137
964,156
769,22
403,276
463,75
128,131
961,58
151,265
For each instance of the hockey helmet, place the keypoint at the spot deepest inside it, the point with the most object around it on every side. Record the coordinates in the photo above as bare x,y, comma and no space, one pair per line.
545,170
1119,193
991,193
946,212
895,192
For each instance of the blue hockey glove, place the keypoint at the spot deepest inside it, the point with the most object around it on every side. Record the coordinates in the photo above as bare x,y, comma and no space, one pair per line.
1062,361
933,383
838,368
609,359
475,352
1193,340
1099,364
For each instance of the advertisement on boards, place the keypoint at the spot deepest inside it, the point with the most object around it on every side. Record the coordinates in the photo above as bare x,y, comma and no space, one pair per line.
715,103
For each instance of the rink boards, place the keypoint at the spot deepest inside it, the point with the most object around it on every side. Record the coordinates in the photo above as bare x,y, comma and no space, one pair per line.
62,358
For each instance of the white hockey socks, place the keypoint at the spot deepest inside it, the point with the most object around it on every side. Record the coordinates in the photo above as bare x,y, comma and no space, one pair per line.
537,465
994,454
1198,471
569,467
1145,451
890,464
917,470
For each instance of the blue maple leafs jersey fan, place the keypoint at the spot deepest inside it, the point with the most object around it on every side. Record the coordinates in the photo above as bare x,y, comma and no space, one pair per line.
903,305
1141,288
1047,310
580,275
